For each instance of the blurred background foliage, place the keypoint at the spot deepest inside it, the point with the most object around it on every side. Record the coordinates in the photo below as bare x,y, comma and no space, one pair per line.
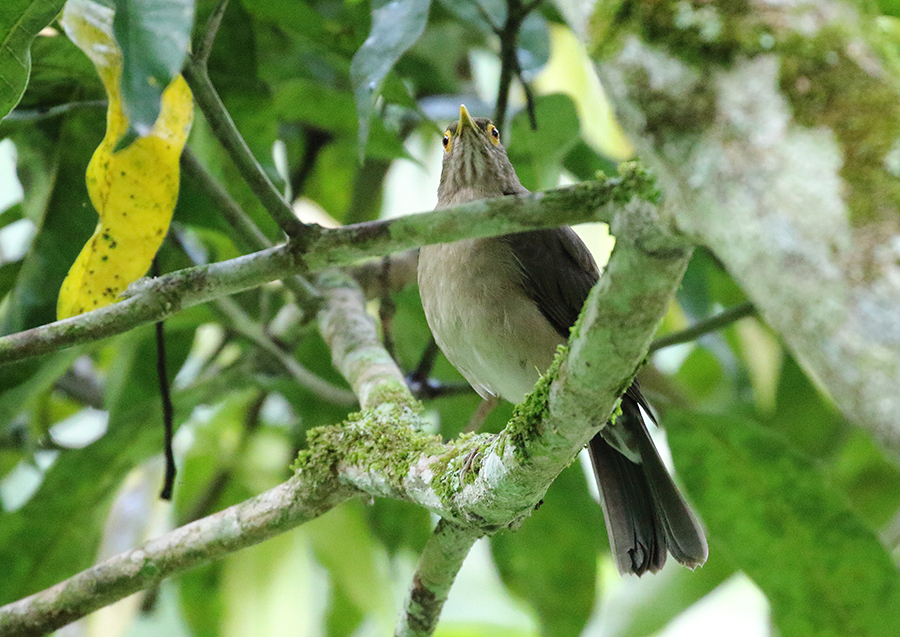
793,495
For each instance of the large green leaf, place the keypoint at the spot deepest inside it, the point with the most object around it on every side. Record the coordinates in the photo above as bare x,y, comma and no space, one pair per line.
778,519
396,25
51,167
551,560
56,199
154,37
55,534
20,21
345,545
537,154
648,609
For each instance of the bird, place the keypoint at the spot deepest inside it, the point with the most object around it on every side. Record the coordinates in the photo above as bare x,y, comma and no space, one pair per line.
498,308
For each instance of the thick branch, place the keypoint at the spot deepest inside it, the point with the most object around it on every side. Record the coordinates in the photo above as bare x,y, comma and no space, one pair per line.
438,565
355,349
156,299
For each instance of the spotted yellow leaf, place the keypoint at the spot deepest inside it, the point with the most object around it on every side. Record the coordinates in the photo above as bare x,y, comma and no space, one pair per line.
133,189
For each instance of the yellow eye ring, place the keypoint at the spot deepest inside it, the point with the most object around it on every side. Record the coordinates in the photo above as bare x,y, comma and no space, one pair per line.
495,135
446,141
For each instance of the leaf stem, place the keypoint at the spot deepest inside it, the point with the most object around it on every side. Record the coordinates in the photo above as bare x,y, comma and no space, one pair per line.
203,46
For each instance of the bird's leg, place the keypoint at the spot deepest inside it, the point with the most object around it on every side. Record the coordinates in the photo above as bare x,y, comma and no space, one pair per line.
480,415
423,386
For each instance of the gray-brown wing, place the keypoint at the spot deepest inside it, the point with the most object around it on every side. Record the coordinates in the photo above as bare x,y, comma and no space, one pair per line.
558,272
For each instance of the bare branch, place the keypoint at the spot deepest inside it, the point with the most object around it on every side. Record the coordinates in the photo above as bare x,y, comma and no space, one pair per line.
438,565
226,132
707,325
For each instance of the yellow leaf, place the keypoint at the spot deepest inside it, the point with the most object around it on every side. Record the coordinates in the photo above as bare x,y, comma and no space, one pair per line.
134,190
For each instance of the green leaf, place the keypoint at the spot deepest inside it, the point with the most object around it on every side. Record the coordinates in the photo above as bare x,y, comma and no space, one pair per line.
154,37
484,15
889,7
775,516
344,544
396,25
60,74
551,560
310,102
537,154
20,21
56,199
55,534
399,525
533,45
647,610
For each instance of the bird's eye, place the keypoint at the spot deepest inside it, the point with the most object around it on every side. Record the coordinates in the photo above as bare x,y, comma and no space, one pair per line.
495,135
446,141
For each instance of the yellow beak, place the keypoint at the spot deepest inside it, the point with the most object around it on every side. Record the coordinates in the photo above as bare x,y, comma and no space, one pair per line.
465,119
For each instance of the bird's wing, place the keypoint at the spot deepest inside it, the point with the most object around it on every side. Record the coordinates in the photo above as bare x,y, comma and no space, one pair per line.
557,272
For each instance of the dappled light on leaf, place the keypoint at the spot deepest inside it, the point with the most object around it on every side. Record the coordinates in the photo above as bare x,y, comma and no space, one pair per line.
134,189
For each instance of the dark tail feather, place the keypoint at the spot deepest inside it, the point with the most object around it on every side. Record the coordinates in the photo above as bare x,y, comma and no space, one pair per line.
645,514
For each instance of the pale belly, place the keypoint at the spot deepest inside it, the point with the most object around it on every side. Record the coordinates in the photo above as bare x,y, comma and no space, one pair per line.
482,320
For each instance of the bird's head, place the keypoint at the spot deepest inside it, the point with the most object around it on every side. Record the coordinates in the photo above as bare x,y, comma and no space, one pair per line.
475,162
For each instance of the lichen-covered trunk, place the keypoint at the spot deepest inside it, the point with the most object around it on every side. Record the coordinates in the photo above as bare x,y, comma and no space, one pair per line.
775,131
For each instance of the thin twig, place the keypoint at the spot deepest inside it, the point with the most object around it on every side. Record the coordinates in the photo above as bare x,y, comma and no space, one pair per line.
224,129
516,12
246,230
439,564
83,386
705,326
38,114
387,308
246,326
203,47
530,107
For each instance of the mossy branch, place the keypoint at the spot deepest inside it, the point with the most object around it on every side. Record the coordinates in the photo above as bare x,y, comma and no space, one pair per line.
478,484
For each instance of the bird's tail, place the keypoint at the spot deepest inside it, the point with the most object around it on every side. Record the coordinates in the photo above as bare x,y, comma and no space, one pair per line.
646,516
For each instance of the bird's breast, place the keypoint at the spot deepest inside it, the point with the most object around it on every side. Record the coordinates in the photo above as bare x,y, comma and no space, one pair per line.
483,321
